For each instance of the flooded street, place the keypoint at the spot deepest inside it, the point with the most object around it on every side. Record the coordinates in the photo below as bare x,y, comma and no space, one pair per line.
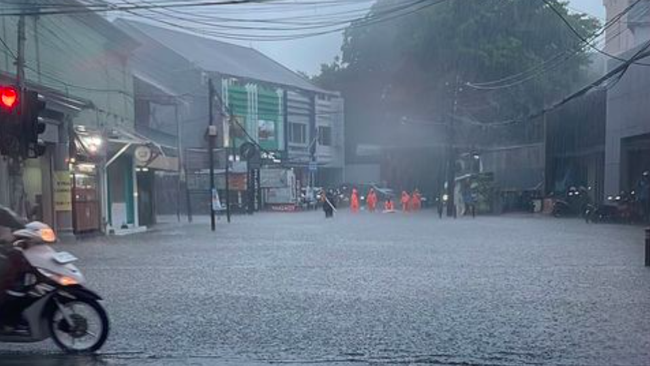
370,289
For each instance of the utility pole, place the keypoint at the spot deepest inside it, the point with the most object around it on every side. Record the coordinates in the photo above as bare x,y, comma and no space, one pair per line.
211,137
312,148
451,153
20,57
15,162
181,175
227,150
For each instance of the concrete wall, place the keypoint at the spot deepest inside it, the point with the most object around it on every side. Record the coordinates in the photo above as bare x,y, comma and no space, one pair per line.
628,115
298,113
68,54
619,37
362,173
329,113
516,168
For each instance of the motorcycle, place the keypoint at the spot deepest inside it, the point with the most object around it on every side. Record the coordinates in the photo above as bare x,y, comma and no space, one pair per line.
619,209
576,203
53,301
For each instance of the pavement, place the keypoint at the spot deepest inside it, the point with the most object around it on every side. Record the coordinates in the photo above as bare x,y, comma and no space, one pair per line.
293,288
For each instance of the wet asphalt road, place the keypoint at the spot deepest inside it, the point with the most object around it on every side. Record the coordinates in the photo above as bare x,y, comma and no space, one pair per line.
293,288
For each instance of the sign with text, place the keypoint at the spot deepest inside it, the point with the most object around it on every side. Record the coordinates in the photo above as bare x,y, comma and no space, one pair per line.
62,191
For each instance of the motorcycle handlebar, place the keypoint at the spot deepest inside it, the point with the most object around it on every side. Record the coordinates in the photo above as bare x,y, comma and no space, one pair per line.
10,219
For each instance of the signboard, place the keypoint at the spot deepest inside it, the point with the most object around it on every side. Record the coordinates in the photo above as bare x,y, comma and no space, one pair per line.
62,191
216,203
280,196
238,182
273,178
239,167
201,181
283,207
142,154
313,166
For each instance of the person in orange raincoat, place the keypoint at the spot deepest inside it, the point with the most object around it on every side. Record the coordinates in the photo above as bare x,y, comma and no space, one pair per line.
388,205
416,201
354,200
371,201
406,199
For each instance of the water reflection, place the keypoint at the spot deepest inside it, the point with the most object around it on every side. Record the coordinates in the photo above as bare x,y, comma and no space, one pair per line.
50,360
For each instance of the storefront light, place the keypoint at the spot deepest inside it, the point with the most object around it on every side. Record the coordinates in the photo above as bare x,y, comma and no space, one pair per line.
86,168
92,143
96,140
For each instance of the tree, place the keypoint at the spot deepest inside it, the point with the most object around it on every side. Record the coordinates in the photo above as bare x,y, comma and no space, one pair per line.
419,65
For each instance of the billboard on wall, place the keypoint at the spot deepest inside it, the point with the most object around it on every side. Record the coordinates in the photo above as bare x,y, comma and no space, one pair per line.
259,109
266,131
273,178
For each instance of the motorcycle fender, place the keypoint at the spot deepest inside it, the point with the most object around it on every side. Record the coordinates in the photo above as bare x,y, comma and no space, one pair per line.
79,292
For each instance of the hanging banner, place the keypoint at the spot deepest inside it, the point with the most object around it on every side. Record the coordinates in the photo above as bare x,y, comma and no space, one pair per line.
62,191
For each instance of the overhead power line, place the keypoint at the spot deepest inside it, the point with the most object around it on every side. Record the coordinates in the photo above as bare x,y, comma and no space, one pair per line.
382,15
67,9
583,39
552,63
618,72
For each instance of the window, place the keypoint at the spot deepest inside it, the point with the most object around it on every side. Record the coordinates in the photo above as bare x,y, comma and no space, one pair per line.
325,136
298,133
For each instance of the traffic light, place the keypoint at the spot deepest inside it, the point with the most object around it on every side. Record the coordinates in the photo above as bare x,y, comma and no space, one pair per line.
8,98
10,126
33,124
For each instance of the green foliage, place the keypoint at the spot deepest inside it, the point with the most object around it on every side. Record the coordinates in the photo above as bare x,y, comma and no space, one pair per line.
411,65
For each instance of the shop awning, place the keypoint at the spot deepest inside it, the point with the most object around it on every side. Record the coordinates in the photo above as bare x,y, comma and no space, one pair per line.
147,152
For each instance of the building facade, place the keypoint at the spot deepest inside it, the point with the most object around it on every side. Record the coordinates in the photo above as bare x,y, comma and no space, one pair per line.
79,63
288,117
627,148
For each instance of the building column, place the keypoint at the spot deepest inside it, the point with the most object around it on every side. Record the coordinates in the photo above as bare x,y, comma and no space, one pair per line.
61,163
613,172
134,192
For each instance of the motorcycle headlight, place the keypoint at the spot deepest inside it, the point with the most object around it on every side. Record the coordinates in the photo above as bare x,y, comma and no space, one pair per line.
48,235
60,279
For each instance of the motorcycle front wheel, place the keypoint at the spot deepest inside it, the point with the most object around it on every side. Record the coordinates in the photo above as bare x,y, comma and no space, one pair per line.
86,329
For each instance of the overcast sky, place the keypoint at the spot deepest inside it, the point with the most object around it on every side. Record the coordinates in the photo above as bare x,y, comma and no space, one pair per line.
307,54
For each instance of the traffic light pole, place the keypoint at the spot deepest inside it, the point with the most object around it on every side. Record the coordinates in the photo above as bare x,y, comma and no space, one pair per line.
211,153
15,164
20,57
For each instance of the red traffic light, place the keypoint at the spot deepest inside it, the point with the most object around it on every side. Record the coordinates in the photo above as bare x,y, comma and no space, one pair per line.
8,97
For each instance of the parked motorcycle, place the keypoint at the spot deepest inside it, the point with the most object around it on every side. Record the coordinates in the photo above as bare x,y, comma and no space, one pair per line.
576,203
53,301
619,209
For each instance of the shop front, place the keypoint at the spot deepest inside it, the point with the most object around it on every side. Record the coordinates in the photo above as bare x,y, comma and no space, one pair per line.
154,164
86,205
84,170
